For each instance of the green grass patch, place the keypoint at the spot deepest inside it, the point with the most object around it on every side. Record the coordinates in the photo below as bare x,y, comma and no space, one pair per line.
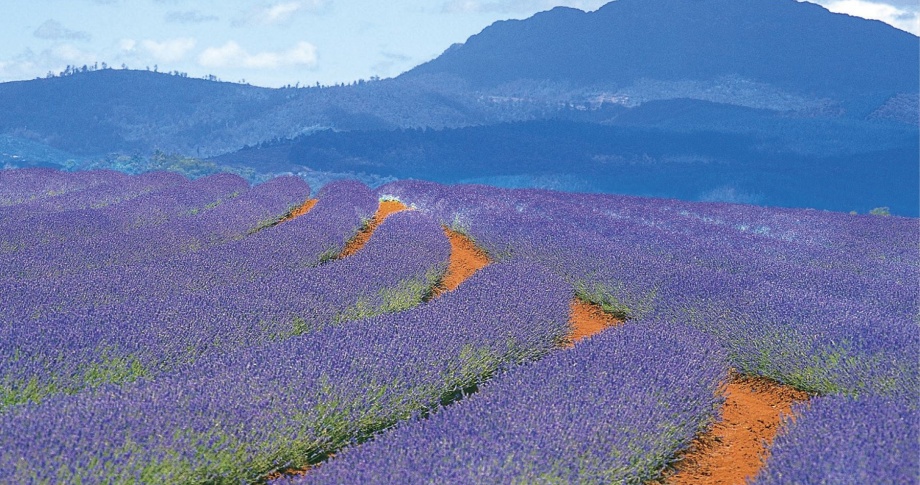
405,295
615,300
109,369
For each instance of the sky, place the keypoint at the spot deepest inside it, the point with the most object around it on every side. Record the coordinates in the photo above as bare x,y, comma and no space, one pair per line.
279,42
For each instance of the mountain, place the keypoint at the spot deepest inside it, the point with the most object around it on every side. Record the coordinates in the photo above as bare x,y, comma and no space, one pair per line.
780,55
119,110
796,52
100,112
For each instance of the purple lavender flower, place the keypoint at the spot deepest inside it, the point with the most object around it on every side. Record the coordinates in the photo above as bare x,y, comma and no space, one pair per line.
614,409
847,441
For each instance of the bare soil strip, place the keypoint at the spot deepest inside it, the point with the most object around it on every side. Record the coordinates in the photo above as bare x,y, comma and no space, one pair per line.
302,210
587,319
299,472
736,448
384,210
294,213
466,258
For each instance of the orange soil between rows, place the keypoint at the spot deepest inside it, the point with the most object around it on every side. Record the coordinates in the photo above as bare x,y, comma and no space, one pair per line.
301,210
736,448
466,258
384,210
587,319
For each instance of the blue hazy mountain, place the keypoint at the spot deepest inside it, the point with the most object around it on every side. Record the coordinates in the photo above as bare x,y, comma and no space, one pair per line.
840,165
780,55
793,47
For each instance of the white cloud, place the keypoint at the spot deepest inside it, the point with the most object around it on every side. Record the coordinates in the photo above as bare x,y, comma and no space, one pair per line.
189,17
902,18
30,64
127,44
232,55
12,70
53,30
279,12
72,55
169,50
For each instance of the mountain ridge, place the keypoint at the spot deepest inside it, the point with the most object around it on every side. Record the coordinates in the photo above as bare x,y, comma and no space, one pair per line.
627,52
699,39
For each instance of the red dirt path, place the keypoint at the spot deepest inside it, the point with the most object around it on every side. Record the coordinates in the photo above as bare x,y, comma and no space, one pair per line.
300,211
587,319
384,210
735,449
466,258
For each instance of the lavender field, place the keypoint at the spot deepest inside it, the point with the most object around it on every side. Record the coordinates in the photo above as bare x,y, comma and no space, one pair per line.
155,329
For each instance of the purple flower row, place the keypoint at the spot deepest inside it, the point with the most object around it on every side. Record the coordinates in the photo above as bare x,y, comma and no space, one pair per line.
299,243
615,409
91,190
142,339
236,415
222,220
123,325
48,237
24,186
847,441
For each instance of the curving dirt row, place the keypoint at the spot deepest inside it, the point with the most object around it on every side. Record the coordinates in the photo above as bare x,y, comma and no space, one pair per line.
302,210
466,258
735,449
384,210
587,319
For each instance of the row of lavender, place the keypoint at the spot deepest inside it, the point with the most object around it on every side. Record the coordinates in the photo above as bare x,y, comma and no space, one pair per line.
612,410
46,190
140,318
826,302
234,416
186,217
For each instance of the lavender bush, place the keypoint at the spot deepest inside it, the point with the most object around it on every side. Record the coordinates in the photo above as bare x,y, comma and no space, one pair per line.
49,245
847,441
237,415
300,243
169,326
615,409
101,189
31,184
